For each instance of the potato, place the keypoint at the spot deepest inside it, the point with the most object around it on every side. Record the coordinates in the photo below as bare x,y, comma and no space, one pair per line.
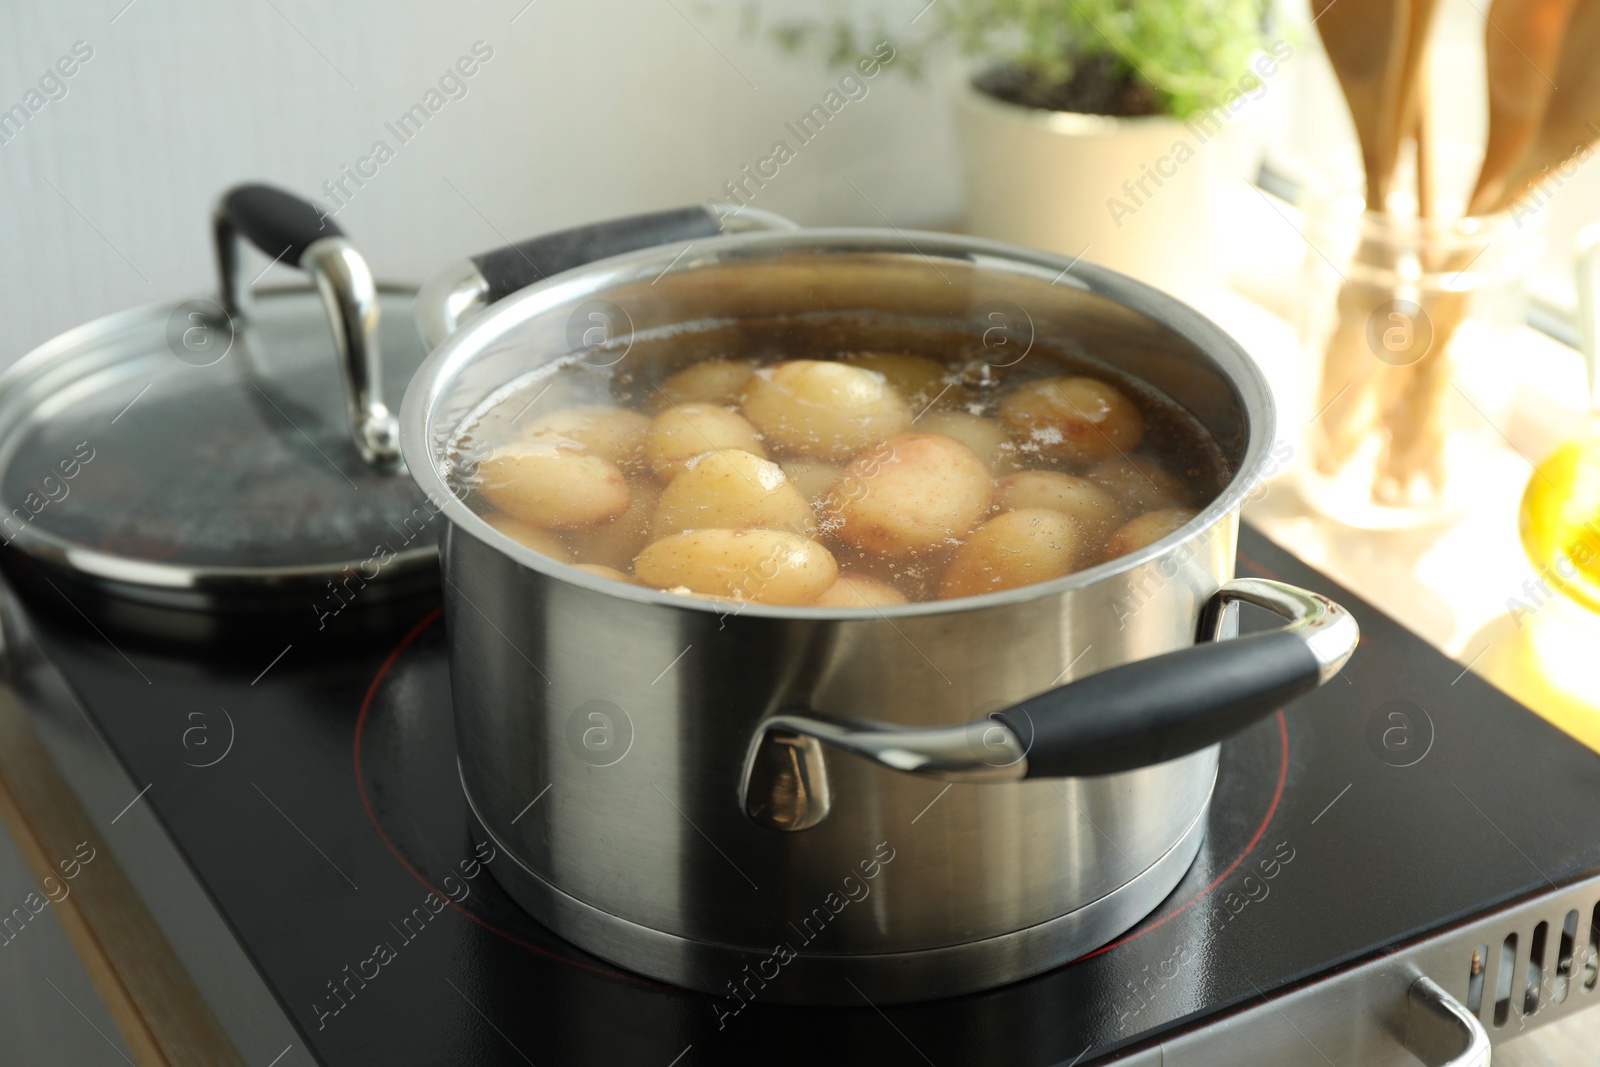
857,590
1147,529
763,566
732,489
552,482
920,380
615,543
913,493
812,477
984,436
716,381
545,542
828,410
1077,419
688,430
1140,484
1095,510
611,433
1017,548
606,572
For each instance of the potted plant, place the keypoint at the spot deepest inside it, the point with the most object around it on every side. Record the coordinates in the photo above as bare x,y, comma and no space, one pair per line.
1112,129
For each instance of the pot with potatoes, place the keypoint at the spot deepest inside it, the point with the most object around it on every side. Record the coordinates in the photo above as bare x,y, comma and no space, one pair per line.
842,613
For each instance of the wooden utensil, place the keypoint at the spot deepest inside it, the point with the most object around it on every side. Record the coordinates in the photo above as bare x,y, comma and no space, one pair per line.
1523,46
1572,116
1377,53
1366,42
1413,75
1543,97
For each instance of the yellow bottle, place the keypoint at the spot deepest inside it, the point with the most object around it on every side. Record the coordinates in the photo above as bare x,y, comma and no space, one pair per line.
1560,518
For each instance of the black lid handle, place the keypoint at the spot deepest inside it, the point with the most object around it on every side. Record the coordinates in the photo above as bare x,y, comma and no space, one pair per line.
295,231
280,224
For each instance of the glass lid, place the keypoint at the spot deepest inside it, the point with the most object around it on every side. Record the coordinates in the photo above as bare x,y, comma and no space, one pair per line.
226,455
127,449
186,455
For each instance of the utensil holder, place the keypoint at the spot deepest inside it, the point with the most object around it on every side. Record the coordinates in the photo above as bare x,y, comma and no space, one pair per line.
1410,322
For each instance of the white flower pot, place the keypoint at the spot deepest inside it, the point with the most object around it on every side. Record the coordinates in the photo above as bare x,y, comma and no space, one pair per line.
1146,196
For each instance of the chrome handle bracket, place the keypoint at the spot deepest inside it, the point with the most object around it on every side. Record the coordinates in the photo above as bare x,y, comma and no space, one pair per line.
1329,631
350,296
785,781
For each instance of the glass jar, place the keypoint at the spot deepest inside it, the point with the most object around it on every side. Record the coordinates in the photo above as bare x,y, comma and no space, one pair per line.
1410,322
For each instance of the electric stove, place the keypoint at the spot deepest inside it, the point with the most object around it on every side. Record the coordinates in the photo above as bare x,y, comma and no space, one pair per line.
290,812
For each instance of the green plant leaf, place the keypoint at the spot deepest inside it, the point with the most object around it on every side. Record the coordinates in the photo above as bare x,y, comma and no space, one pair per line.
1189,55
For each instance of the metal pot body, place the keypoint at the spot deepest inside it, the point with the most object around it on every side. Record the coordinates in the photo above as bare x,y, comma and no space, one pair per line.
626,726
604,730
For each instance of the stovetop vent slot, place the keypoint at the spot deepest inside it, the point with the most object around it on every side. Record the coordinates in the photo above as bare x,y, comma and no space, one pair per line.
1503,980
1534,982
1591,965
1561,983
1475,969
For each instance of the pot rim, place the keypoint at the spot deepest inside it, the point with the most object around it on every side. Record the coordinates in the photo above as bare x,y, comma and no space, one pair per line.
486,330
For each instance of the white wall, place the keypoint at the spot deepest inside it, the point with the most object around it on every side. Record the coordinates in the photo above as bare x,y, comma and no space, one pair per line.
588,108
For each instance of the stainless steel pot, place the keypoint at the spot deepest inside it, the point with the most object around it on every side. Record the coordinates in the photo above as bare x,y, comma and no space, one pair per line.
809,805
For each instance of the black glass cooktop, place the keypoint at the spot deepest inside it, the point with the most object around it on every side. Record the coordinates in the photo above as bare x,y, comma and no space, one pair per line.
333,838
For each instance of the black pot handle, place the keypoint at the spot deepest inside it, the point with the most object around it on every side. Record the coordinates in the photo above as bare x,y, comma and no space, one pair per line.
292,230
1118,719
448,297
517,266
